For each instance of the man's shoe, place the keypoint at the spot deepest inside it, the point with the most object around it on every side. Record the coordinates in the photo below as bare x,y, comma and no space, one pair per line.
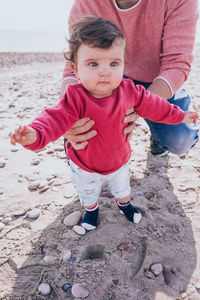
156,149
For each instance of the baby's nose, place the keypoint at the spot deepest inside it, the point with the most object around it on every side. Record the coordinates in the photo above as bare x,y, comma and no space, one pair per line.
104,72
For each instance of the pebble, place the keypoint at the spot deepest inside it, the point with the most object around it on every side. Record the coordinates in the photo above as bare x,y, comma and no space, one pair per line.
73,218
197,286
35,162
127,247
69,190
49,259
44,289
149,274
66,255
44,189
106,194
19,213
2,226
156,269
167,276
78,291
34,185
33,214
2,163
139,194
55,189
66,287
191,201
79,230
7,220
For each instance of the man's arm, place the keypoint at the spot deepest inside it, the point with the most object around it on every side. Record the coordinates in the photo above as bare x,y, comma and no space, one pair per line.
160,88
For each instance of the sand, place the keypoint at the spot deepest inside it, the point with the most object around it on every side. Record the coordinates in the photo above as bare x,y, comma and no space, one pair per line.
112,262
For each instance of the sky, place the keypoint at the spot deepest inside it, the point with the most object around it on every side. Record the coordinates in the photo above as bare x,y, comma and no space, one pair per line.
37,15
34,15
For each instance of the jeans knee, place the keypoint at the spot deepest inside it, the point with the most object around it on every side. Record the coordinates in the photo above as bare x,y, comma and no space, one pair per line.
184,142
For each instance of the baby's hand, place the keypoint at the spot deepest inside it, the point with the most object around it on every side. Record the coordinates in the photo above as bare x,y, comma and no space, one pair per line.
190,117
23,135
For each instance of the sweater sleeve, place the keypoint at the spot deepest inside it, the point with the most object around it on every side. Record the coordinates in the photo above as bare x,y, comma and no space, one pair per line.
154,108
53,122
178,41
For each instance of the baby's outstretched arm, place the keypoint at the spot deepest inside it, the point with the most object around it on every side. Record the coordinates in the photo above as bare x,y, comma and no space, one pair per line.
23,135
190,117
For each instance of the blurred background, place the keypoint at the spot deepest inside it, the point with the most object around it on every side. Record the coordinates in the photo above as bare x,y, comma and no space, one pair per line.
37,25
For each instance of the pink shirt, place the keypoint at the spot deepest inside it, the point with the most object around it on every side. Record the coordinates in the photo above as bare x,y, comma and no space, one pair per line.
159,35
109,149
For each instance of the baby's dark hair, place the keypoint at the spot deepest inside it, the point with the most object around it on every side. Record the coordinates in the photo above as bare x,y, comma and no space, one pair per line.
94,31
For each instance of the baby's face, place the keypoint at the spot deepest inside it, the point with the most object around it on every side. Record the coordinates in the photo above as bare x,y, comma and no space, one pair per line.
100,70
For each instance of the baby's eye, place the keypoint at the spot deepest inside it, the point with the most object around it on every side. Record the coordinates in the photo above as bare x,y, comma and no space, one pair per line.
113,64
92,64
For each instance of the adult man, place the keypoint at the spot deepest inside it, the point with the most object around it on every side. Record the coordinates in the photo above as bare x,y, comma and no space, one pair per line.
160,38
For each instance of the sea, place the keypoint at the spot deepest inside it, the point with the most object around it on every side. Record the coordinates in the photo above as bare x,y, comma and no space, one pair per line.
43,41
32,41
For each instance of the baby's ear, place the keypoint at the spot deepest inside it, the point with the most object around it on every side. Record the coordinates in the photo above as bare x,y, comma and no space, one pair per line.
74,69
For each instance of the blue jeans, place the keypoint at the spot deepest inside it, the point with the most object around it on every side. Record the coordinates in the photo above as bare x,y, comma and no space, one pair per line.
177,139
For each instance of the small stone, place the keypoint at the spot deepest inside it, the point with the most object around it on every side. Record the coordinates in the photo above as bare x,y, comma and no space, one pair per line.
127,247
66,287
55,189
191,201
2,226
73,259
44,189
34,185
78,291
79,230
106,194
33,214
149,274
44,289
156,269
66,255
69,190
115,281
139,194
14,149
19,213
183,295
2,162
35,162
167,276
49,259
7,220
197,286
73,218
50,151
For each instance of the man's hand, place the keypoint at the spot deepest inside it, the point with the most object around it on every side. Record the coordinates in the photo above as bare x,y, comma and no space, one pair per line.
80,133
130,118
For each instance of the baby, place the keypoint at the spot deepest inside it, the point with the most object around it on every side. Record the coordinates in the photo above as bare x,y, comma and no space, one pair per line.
97,56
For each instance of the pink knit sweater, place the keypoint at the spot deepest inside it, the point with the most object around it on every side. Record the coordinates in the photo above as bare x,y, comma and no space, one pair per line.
159,35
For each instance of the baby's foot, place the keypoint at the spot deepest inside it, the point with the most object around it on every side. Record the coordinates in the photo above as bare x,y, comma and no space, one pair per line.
90,219
130,212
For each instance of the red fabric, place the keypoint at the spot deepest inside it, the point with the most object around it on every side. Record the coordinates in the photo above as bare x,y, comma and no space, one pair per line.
159,34
108,150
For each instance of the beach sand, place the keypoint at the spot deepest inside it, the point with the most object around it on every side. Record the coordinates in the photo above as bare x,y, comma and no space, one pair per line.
113,262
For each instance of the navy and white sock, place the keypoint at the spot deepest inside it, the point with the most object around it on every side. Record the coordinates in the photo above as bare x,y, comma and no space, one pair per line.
90,218
130,212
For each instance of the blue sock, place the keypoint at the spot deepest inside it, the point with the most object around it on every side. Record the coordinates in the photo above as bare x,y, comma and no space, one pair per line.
130,212
90,218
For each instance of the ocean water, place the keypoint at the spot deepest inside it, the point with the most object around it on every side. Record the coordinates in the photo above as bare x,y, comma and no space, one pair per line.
32,41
